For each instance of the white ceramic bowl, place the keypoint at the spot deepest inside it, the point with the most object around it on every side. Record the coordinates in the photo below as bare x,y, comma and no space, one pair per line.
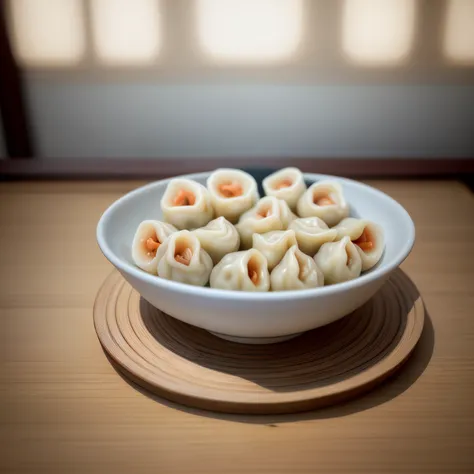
255,317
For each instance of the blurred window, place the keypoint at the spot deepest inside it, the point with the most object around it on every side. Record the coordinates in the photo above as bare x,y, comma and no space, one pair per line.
459,39
378,31
249,30
48,32
126,32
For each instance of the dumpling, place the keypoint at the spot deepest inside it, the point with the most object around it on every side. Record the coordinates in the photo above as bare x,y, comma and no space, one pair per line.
325,200
339,261
367,236
287,184
181,258
245,271
274,245
149,236
218,238
311,233
186,204
296,271
269,214
232,193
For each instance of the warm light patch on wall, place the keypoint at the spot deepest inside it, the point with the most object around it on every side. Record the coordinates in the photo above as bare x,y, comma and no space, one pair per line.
47,32
250,30
459,40
126,32
378,32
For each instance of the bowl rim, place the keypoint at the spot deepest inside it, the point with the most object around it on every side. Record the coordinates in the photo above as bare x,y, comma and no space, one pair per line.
191,290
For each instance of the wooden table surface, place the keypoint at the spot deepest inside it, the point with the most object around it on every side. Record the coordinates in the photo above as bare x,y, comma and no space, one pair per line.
64,409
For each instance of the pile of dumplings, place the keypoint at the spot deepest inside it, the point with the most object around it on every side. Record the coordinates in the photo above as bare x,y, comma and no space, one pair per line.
226,236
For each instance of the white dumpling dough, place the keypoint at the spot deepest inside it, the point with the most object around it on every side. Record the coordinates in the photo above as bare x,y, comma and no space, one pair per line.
243,271
324,199
269,214
218,238
311,233
181,258
148,238
274,245
296,271
232,193
367,236
186,204
287,184
339,261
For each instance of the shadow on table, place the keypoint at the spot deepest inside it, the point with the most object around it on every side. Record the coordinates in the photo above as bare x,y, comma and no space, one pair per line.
324,357
390,389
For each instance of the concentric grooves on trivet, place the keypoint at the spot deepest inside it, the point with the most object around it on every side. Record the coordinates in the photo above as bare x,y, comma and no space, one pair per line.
189,365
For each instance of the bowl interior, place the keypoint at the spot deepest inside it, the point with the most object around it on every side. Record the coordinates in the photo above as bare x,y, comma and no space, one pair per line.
120,221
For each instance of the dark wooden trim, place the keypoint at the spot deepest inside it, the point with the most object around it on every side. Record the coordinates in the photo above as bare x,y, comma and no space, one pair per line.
103,168
16,128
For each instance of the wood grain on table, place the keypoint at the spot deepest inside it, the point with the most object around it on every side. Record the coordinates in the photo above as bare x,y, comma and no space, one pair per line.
64,409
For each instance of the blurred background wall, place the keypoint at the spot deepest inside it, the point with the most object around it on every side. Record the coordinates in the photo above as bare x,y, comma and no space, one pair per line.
117,120
230,78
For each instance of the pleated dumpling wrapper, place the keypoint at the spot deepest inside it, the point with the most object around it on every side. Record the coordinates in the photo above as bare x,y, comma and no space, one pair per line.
149,236
296,271
186,204
311,233
232,193
269,214
339,261
324,199
287,184
218,238
367,236
181,258
242,271
274,245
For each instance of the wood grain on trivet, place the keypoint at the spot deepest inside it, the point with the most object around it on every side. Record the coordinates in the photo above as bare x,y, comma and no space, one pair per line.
321,367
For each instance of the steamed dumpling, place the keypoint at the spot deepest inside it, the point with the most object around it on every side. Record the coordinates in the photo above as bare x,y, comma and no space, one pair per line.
311,233
325,200
296,271
232,193
274,245
243,271
181,258
367,236
186,204
148,238
269,214
218,238
287,184
339,261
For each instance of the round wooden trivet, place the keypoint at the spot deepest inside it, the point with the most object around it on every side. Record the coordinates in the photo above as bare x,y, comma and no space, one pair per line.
189,365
